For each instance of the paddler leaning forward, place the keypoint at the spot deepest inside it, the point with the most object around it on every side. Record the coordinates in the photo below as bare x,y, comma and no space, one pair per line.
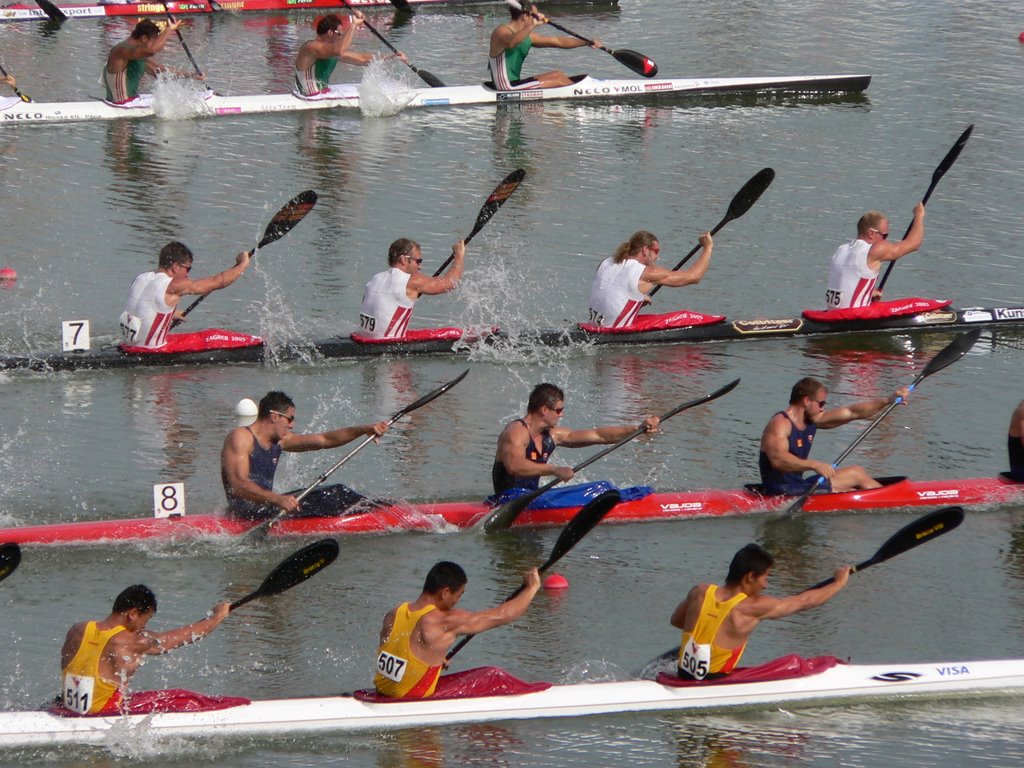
99,657
416,636
152,306
249,458
130,59
717,621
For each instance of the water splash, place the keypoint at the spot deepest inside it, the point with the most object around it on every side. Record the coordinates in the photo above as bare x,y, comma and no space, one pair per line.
385,91
179,98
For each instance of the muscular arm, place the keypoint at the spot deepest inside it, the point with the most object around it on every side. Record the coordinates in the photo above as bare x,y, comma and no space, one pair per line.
836,417
204,285
431,286
775,444
766,607
552,41
888,250
512,447
580,438
234,463
504,37
295,443
657,275
156,643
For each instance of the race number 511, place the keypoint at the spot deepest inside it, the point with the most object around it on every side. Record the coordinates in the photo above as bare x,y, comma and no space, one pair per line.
168,499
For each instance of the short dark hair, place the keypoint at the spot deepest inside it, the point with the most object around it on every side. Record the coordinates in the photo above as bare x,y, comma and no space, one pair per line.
808,386
145,28
328,23
753,558
174,253
544,394
137,596
403,246
274,401
444,574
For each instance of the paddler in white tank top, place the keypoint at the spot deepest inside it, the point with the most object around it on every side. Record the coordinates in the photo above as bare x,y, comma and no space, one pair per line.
622,282
855,265
153,298
389,297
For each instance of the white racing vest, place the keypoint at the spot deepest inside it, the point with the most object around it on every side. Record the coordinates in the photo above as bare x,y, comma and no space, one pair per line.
850,280
146,317
387,308
615,296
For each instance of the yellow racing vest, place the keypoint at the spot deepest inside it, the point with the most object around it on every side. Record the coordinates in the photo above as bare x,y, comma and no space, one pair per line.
399,673
83,690
699,656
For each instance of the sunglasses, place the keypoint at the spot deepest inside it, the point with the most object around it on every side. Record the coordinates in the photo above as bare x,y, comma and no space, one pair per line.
291,419
884,235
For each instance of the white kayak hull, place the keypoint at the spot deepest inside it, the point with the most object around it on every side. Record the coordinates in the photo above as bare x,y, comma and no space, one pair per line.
347,96
343,713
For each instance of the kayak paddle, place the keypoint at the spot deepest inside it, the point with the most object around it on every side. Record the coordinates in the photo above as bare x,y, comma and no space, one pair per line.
947,356
18,93
425,76
741,203
583,522
945,165
502,517
284,221
490,207
268,523
642,65
10,557
294,570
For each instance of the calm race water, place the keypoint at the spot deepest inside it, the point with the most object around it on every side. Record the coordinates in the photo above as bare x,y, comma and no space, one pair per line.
86,208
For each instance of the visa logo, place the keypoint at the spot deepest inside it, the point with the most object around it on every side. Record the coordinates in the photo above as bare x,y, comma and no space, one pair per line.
953,671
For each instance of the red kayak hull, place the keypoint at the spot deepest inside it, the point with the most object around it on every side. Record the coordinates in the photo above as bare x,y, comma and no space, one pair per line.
442,516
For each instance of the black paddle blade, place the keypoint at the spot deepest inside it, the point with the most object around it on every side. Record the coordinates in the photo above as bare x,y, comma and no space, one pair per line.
402,5
294,570
749,194
950,158
582,524
52,11
429,79
642,65
430,396
10,557
959,347
497,199
922,530
292,213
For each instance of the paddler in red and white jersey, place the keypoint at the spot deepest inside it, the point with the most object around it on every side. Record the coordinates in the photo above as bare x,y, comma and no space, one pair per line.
390,296
415,637
526,444
99,657
787,440
130,59
717,621
1015,443
855,265
249,459
623,280
153,298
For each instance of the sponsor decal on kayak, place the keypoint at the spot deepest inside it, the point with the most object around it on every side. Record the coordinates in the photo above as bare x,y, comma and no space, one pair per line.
779,325
896,677
977,316
517,95
953,671
939,316
690,506
667,86
608,90
950,493
1009,313
23,115
435,102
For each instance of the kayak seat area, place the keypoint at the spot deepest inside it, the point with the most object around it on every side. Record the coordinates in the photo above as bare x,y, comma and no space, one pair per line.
878,311
472,683
683,318
783,668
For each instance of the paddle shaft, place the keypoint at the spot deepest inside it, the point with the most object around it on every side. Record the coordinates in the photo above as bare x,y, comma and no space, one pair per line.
181,39
428,78
17,92
947,356
581,524
739,205
505,515
267,524
52,11
490,207
940,171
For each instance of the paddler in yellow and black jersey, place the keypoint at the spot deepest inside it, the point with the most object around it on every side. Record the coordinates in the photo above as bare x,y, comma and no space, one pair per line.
130,59
100,657
416,636
316,59
717,621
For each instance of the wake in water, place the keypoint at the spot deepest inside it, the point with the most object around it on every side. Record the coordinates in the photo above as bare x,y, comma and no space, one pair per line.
179,98
385,90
